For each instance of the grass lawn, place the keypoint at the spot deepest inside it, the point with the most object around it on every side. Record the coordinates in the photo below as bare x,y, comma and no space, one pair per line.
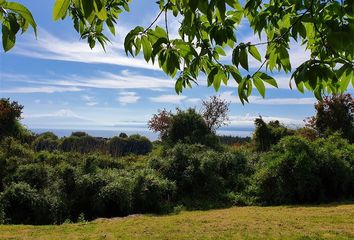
286,222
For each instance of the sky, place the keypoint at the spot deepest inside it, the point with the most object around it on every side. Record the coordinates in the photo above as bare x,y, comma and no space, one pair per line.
63,84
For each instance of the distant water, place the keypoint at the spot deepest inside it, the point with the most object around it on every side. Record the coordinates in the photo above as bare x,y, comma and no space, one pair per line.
96,133
111,133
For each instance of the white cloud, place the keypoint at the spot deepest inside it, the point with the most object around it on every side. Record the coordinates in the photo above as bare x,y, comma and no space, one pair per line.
175,99
193,100
40,89
228,96
128,98
37,101
91,104
102,80
60,113
247,121
87,98
90,101
48,46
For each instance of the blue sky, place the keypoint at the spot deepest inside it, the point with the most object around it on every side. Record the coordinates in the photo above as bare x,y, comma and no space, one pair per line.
64,84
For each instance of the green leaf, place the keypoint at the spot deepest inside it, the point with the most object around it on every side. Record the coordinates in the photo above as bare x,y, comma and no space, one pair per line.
147,48
217,82
100,9
284,59
244,58
60,8
345,79
211,76
111,26
8,38
24,12
179,85
236,56
268,79
235,73
220,50
254,52
258,82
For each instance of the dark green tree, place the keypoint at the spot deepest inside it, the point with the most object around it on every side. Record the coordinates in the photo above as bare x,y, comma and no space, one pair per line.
190,127
334,114
10,114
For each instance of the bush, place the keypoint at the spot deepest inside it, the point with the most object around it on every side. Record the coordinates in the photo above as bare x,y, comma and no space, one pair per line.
115,199
297,171
266,135
47,141
135,144
36,175
201,173
152,193
189,127
24,205
13,148
10,114
336,160
2,215
83,144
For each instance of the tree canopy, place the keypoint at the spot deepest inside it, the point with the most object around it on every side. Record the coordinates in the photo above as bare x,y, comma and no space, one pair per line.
207,32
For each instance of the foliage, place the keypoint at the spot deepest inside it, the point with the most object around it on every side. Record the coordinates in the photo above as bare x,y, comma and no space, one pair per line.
47,141
36,175
79,134
23,204
152,193
10,113
13,17
123,135
135,144
208,30
297,171
215,112
189,127
307,133
83,144
83,177
200,173
232,140
266,135
334,113
160,122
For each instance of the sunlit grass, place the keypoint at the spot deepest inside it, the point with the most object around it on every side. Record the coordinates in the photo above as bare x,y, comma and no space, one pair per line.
287,222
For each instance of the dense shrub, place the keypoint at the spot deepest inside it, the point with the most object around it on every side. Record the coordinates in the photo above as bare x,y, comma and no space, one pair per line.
23,204
11,147
233,140
334,114
115,199
297,171
268,134
190,127
202,173
36,175
152,193
83,144
10,114
47,141
134,144
84,177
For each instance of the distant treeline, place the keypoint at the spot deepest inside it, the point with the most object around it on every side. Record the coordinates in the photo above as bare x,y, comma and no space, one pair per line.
83,143
232,140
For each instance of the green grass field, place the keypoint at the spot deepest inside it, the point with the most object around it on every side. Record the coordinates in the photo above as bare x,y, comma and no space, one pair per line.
288,222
